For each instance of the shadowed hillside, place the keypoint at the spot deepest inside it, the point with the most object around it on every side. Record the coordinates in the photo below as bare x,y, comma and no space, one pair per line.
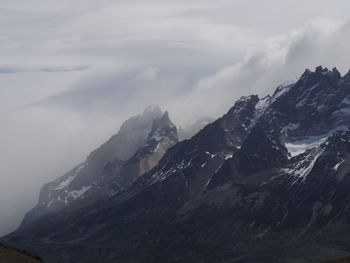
13,255
343,260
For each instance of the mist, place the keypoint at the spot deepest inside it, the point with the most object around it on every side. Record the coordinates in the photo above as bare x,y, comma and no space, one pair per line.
72,72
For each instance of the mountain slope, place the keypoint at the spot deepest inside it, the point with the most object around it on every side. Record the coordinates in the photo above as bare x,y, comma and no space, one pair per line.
267,182
13,255
344,260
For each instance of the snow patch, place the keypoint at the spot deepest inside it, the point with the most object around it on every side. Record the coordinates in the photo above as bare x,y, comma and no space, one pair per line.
158,135
266,102
304,167
335,168
70,178
300,103
78,193
228,156
290,82
211,155
300,146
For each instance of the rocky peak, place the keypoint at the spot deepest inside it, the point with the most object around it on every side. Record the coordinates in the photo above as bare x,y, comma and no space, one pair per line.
321,75
346,77
245,103
142,121
162,136
162,127
326,72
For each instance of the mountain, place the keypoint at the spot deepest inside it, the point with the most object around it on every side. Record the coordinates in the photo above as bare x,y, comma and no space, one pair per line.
13,255
266,182
126,155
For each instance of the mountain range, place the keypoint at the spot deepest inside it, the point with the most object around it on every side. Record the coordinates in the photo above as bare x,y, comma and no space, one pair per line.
266,182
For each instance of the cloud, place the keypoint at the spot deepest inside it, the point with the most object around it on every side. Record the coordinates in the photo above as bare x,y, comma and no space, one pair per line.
203,88
281,58
14,69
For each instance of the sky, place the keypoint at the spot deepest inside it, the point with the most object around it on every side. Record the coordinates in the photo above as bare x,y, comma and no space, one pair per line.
72,70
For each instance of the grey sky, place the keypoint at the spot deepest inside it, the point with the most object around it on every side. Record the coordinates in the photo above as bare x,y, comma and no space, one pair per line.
71,71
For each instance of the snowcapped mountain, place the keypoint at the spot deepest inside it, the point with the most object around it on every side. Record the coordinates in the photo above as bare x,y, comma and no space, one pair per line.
96,178
266,182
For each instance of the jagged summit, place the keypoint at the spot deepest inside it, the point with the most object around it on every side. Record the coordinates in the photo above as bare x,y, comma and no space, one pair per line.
163,127
162,136
266,182
321,72
141,123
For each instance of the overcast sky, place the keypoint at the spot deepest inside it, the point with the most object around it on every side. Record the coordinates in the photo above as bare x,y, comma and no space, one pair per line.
72,70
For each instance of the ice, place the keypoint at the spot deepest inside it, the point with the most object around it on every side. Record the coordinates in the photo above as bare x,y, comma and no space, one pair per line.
300,146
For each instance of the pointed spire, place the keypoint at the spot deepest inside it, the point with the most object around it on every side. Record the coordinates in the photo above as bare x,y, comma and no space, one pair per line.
319,69
336,73
346,77
306,74
162,127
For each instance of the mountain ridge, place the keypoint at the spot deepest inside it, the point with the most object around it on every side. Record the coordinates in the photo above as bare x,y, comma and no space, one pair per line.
266,182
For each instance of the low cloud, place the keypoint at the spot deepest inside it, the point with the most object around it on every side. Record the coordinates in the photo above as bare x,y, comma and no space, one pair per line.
14,69
190,91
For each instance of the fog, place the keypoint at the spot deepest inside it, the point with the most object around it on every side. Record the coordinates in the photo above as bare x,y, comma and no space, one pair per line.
72,71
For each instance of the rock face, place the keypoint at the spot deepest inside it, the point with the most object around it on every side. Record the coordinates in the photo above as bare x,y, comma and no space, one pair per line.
266,182
13,255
